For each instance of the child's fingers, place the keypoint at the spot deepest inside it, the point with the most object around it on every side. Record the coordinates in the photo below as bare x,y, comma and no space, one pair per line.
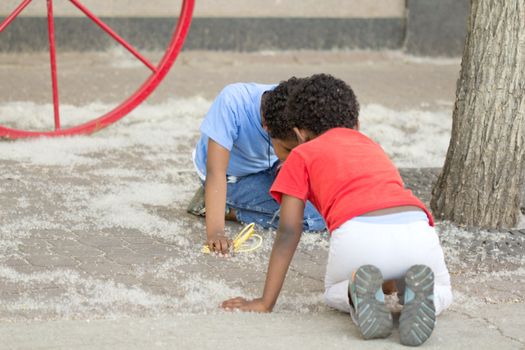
234,303
220,245
223,246
211,245
216,246
227,304
238,300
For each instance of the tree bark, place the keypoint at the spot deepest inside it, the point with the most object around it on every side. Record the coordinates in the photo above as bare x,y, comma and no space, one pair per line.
483,177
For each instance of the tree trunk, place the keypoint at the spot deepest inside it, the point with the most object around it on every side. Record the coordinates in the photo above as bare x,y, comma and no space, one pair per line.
482,181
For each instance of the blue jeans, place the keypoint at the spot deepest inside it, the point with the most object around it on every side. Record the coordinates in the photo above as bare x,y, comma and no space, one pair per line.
250,197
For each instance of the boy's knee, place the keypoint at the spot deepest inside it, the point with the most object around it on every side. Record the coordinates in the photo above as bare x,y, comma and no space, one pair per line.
443,298
337,297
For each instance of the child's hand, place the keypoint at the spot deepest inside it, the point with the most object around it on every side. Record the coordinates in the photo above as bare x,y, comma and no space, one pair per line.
255,305
219,243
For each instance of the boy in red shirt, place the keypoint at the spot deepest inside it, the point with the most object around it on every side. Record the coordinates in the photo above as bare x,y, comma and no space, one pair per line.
378,228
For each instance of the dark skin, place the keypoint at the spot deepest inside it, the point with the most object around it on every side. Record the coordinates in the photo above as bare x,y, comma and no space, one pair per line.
284,246
283,147
286,241
215,198
217,162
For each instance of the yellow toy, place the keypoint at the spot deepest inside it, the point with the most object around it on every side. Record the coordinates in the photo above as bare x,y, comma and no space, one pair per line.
239,242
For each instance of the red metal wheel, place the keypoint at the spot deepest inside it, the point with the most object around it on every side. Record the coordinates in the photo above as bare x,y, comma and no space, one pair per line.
159,71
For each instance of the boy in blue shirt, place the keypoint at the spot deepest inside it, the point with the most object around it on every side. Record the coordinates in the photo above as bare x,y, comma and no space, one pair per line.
236,161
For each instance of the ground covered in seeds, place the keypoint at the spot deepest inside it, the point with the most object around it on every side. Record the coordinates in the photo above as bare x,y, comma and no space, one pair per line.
95,228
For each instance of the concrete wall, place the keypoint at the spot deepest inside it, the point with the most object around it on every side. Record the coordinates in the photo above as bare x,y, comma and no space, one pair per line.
222,8
436,27
424,27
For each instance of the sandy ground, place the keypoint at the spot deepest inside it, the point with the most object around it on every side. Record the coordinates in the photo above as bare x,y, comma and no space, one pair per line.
96,250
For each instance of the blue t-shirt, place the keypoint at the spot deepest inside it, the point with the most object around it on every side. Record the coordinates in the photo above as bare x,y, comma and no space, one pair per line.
234,122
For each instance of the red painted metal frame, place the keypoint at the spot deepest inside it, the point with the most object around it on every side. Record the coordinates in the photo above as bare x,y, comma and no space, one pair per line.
159,72
53,61
13,15
114,35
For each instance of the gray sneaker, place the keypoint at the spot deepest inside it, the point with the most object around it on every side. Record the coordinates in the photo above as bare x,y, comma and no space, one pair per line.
418,316
197,206
366,292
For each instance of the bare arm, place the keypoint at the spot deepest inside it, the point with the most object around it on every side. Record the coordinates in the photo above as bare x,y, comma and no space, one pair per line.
288,236
215,196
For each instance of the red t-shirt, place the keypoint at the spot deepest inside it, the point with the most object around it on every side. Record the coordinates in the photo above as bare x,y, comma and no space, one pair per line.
344,174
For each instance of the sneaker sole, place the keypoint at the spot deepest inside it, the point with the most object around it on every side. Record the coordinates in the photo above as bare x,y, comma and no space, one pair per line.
418,316
373,317
196,205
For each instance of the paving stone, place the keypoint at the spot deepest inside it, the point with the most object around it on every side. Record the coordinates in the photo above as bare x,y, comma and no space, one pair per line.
128,233
30,269
127,257
48,260
64,241
15,261
50,234
101,242
31,246
303,265
78,250
515,286
50,293
193,268
153,249
127,280
103,268
139,239
8,287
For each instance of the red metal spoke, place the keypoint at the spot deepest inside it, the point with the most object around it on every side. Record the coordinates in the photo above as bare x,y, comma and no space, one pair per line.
121,110
114,35
52,56
13,15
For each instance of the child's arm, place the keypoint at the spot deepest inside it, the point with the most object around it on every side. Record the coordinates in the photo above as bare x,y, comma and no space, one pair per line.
288,236
215,197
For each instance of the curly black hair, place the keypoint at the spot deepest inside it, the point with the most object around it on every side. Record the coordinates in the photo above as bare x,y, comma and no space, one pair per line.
319,103
273,109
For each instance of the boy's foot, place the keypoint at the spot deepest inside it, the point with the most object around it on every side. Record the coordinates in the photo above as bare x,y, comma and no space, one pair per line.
419,314
197,206
365,289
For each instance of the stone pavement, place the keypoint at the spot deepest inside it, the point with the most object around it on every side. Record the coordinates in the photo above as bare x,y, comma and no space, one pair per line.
96,250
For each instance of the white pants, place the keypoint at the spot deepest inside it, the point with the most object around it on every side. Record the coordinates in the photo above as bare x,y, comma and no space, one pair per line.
391,247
